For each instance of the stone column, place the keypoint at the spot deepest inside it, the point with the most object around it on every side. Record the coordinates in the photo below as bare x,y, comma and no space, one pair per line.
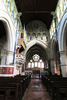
52,66
24,66
49,65
9,59
20,70
63,63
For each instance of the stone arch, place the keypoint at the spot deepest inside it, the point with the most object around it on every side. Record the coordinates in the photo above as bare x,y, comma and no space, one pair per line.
5,18
55,58
62,33
62,39
39,48
33,42
10,34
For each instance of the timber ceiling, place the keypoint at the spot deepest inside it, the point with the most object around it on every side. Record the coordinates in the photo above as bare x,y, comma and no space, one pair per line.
36,10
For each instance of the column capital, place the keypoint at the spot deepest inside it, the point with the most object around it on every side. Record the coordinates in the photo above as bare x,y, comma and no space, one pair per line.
63,52
10,52
52,58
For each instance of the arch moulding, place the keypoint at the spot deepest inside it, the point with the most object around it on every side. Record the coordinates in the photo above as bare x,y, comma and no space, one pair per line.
10,31
61,32
33,42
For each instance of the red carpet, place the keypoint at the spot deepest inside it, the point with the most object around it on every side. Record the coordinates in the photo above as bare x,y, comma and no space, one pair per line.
36,91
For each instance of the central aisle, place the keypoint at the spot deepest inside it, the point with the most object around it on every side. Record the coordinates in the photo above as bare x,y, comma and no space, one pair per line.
36,91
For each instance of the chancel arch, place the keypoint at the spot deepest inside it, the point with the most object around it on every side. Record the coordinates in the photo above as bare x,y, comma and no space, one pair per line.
39,49
33,42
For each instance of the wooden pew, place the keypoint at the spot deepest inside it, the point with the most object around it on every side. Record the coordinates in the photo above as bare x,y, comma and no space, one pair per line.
13,87
56,86
61,93
9,91
57,79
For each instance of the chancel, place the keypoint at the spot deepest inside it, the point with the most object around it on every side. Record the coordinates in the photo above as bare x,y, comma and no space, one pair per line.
33,49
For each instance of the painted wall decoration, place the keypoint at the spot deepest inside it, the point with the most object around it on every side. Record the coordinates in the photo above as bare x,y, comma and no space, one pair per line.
36,26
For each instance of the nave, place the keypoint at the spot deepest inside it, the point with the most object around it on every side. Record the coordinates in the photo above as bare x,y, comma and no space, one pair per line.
36,91
33,49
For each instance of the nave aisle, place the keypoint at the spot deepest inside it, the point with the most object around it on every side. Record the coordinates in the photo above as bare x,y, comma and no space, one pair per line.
36,91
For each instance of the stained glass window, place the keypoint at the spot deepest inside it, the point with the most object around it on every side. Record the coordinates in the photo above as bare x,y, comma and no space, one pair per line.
36,57
35,64
28,65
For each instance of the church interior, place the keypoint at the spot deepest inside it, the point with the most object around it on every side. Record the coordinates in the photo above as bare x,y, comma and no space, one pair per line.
33,50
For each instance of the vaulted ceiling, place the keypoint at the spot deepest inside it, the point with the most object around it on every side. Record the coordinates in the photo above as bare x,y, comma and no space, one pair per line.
36,10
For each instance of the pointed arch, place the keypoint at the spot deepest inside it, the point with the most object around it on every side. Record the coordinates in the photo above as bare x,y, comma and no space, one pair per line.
33,42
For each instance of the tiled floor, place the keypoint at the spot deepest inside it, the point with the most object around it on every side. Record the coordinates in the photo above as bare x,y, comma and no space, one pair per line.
36,91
